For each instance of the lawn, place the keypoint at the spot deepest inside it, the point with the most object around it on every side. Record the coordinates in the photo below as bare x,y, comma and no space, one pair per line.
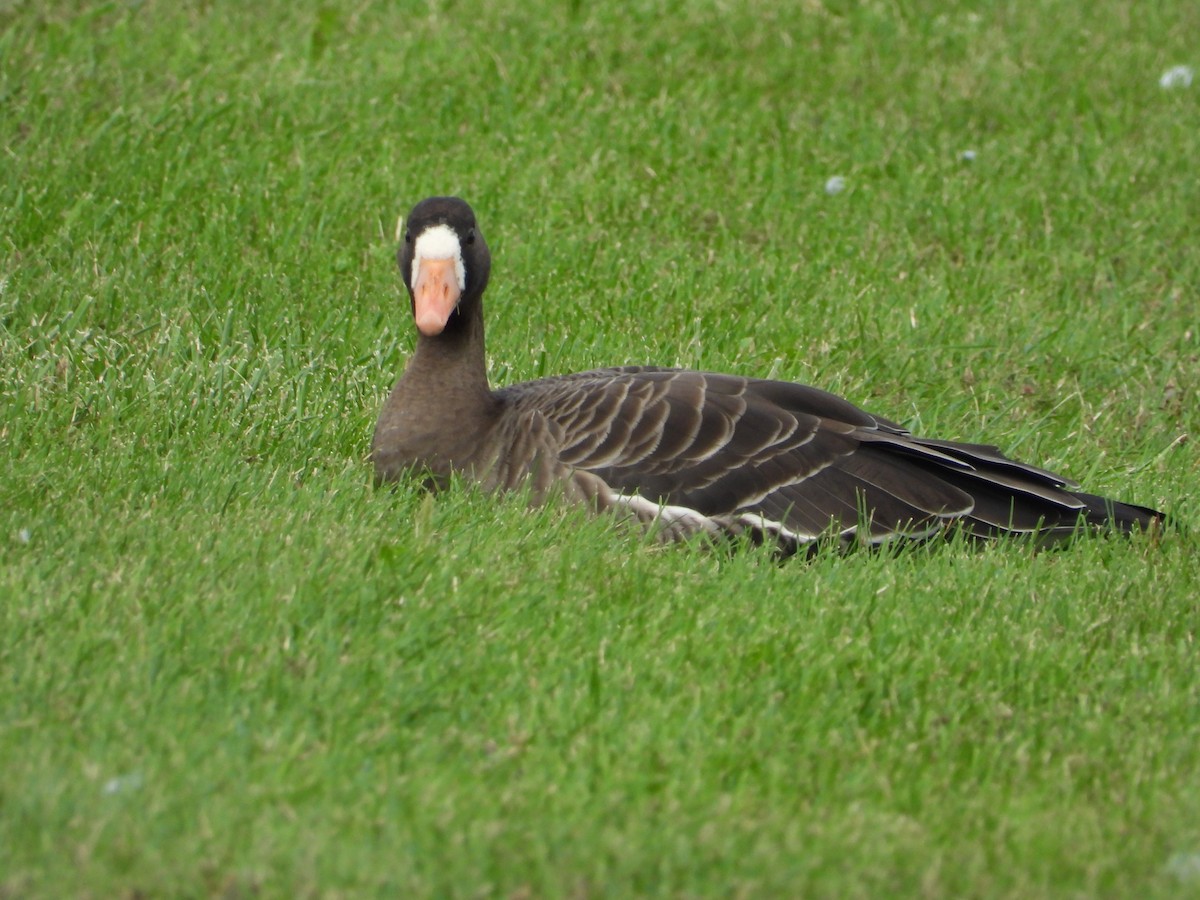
231,667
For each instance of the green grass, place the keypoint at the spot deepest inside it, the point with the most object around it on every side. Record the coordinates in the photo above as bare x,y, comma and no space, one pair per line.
229,667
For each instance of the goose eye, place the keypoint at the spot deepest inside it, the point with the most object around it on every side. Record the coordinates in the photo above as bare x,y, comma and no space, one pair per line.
471,236
408,237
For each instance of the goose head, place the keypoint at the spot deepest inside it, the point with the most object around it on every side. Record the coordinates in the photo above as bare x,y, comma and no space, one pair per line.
445,264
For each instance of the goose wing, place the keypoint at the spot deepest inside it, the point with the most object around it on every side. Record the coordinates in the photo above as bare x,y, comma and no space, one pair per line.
783,457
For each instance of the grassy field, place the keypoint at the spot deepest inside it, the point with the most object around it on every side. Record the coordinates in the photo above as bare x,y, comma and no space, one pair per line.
229,667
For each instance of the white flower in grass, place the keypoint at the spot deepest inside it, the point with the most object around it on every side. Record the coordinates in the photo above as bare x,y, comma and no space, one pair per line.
24,535
1184,866
122,784
835,185
967,156
1176,77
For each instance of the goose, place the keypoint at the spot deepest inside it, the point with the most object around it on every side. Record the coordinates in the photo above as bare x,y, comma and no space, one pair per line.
689,453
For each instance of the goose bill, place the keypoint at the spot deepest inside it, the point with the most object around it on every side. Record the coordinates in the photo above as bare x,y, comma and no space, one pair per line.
435,295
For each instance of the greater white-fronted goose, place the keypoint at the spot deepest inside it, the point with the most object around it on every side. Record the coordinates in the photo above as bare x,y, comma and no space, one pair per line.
688,452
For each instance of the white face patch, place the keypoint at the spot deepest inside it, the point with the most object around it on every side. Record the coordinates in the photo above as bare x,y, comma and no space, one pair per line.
439,242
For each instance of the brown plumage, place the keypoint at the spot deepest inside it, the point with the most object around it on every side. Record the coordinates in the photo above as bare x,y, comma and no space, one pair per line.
689,452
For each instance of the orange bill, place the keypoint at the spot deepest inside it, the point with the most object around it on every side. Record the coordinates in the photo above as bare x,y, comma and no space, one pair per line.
435,294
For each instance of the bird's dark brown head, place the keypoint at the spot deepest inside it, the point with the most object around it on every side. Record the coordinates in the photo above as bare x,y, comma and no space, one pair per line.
445,263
